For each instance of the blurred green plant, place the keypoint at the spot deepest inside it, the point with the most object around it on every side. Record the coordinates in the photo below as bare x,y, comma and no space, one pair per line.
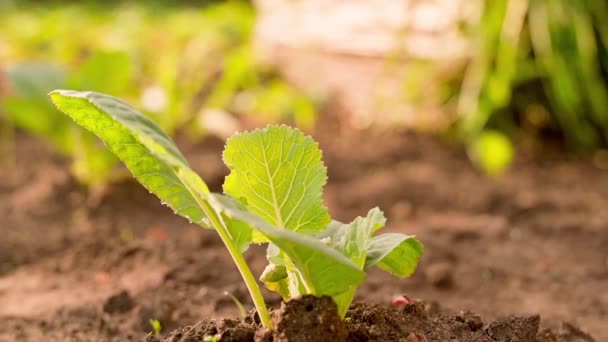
541,66
491,151
26,107
179,59
176,60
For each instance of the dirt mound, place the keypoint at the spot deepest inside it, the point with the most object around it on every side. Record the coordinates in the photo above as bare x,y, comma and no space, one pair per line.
310,319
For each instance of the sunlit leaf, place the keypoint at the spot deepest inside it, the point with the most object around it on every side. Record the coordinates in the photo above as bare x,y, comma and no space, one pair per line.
324,270
278,173
395,253
145,149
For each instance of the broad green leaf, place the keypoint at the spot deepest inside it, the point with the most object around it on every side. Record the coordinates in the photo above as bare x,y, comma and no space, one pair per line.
324,270
395,253
145,149
277,171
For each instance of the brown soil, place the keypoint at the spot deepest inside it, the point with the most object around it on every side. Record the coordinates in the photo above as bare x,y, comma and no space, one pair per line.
317,320
80,267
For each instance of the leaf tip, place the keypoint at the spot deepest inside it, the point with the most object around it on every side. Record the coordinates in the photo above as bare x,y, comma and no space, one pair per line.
53,94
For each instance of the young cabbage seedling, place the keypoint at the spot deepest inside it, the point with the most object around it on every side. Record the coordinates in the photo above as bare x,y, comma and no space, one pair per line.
272,195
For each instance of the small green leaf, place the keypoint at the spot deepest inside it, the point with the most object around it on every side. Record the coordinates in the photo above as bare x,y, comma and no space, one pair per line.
324,270
354,239
273,273
145,149
275,278
395,253
279,174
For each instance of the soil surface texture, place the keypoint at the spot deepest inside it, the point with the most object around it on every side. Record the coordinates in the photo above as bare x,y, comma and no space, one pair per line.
525,252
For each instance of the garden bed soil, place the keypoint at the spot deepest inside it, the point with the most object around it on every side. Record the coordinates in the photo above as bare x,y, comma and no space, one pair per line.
311,319
99,267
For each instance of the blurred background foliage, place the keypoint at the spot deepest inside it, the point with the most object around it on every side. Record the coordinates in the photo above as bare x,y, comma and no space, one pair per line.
179,62
538,70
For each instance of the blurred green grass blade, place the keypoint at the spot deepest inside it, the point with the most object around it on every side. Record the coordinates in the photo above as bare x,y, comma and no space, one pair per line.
561,45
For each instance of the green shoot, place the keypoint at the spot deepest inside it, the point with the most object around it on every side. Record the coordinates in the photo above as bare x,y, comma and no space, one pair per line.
273,196
156,326
211,338
238,304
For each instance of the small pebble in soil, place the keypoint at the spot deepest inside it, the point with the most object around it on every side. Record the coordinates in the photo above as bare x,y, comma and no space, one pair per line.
119,303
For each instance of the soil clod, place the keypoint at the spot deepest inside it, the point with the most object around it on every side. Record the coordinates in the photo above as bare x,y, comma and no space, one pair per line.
514,329
119,303
309,319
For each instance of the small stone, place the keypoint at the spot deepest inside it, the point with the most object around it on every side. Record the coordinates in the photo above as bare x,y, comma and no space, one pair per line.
119,303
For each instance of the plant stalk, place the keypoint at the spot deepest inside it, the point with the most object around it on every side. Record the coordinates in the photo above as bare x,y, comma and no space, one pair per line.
237,257
241,264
